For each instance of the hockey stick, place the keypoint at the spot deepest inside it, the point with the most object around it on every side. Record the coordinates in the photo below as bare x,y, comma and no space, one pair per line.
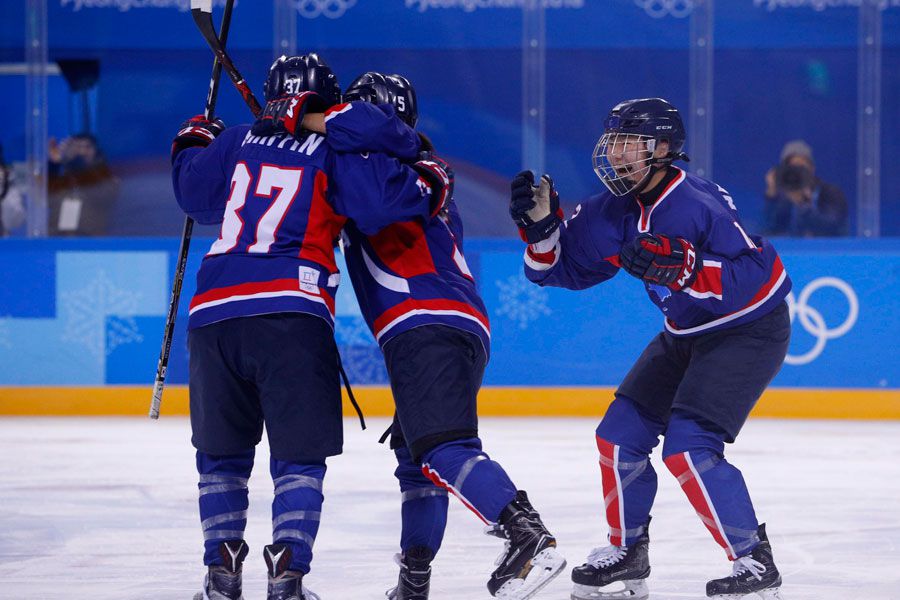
163,364
201,10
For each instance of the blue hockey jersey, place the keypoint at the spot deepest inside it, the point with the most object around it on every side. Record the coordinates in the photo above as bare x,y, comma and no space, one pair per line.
741,277
414,272
282,203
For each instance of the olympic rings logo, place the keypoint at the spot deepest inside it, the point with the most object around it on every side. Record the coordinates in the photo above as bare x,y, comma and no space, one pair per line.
332,9
663,8
813,321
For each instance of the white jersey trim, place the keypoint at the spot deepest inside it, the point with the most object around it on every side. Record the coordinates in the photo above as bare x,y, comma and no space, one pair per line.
702,295
677,181
384,279
539,266
732,316
259,296
423,311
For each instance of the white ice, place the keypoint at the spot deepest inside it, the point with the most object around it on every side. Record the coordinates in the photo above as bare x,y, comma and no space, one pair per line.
105,508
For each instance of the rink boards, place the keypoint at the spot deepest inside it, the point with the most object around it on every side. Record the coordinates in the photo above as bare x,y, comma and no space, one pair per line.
80,331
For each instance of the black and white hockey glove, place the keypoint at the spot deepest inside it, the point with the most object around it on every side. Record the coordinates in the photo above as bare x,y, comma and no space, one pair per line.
661,260
196,131
285,113
534,208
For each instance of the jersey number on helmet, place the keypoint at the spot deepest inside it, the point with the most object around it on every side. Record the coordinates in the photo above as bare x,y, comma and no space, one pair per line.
285,180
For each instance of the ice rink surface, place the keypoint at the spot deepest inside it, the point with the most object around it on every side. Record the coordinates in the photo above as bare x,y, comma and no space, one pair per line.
105,509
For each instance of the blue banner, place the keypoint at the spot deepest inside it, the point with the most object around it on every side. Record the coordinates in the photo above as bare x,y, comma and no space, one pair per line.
323,24
83,312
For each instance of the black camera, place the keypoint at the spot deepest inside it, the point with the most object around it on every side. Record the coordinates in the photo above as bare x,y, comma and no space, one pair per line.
793,178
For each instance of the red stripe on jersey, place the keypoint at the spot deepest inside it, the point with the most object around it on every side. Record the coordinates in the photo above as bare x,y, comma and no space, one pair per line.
256,287
403,248
645,212
777,270
322,227
336,110
547,258
679,465
612,491
709,279
439,304
614,259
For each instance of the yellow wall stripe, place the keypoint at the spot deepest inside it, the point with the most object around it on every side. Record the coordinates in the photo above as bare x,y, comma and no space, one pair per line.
493,401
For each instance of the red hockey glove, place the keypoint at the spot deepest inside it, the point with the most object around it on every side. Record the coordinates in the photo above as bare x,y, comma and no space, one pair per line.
657,259
437,178
196,131
285,113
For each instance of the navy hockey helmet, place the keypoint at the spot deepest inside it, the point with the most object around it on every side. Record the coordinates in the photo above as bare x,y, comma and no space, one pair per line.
623,157
395,90
306,73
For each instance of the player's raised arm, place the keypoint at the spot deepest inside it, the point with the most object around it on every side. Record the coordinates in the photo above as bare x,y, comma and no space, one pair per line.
379,115
200,169
560,253
376,190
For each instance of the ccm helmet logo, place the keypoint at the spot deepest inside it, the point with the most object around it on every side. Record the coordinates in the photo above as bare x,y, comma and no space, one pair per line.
658,127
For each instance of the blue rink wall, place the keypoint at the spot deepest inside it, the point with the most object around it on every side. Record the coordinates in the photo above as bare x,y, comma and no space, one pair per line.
91,313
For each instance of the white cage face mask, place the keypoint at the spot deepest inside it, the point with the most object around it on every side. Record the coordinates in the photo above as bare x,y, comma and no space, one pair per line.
622,161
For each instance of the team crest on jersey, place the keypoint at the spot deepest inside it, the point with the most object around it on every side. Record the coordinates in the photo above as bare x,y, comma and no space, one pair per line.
661,291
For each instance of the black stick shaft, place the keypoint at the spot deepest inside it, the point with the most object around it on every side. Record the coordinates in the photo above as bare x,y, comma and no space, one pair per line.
180,267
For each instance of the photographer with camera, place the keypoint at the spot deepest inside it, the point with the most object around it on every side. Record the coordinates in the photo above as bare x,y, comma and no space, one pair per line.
797,202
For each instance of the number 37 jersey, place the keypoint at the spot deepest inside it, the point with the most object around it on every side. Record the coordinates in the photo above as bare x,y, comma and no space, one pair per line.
282,203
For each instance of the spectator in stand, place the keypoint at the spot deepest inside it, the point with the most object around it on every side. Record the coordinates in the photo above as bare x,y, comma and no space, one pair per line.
82,189
797,202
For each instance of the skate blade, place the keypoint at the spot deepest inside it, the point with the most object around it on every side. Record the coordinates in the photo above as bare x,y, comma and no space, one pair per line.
767,594
545,566
635,589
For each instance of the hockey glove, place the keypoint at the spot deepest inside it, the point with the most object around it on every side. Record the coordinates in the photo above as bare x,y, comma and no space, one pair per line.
436,178
661,260
196,131
285,113
534,208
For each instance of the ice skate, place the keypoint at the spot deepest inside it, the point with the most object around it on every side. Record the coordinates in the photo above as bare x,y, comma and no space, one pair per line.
223,582
614,572
415,575
284,584
530,560
752,575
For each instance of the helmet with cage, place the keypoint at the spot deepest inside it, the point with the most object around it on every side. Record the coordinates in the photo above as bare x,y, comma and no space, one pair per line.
629,152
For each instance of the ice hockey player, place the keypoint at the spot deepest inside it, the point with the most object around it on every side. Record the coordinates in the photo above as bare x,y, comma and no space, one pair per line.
726,333
261,339
419,298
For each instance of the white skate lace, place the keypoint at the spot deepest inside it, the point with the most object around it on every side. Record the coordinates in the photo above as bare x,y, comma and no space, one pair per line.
604,557
498,531
745,563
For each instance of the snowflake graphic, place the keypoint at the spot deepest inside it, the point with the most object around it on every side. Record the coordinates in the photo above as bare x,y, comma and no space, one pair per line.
98,316
364,364
521,300
352,331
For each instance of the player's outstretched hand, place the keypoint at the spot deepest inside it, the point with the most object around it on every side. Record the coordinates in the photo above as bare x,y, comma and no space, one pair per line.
660,260
196,131
534,208
285,113
435,175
